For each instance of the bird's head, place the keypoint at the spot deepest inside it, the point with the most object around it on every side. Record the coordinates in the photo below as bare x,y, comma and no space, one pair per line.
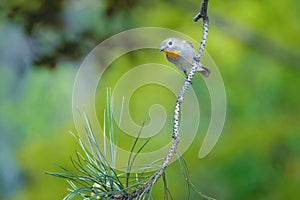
171,47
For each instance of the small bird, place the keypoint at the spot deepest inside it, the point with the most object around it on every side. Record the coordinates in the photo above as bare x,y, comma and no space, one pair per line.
182,54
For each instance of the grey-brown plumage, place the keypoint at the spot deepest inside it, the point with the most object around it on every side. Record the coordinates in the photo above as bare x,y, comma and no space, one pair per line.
182,54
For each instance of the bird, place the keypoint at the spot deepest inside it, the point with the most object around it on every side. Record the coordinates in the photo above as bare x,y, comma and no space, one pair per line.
182,54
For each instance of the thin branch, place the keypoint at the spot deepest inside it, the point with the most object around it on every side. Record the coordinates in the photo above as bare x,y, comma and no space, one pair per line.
202,14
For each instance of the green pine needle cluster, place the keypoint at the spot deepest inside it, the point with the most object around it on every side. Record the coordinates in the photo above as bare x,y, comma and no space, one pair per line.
96,178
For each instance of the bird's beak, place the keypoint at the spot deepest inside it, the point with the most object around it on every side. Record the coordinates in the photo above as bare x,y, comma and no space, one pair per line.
162,49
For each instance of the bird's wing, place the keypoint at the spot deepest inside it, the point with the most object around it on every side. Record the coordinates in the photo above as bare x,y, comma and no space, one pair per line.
188,43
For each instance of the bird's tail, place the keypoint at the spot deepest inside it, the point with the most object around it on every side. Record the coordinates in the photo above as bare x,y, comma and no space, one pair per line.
203,70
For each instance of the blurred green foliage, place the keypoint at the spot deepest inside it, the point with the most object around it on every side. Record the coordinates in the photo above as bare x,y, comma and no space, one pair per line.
254,43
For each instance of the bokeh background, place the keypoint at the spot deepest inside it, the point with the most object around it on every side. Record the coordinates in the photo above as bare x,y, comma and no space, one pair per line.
255,44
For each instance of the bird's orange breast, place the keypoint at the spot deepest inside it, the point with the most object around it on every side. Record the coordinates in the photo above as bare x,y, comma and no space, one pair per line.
172,54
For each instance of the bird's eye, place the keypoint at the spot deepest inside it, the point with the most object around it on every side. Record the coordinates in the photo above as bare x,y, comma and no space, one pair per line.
170,43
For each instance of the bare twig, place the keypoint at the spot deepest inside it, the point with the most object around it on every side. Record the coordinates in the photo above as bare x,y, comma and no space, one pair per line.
202,14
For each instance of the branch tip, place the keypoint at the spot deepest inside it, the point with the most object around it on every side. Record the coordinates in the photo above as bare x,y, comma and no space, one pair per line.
203,12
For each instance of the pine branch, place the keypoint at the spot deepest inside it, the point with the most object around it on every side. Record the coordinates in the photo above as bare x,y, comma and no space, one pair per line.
202,14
